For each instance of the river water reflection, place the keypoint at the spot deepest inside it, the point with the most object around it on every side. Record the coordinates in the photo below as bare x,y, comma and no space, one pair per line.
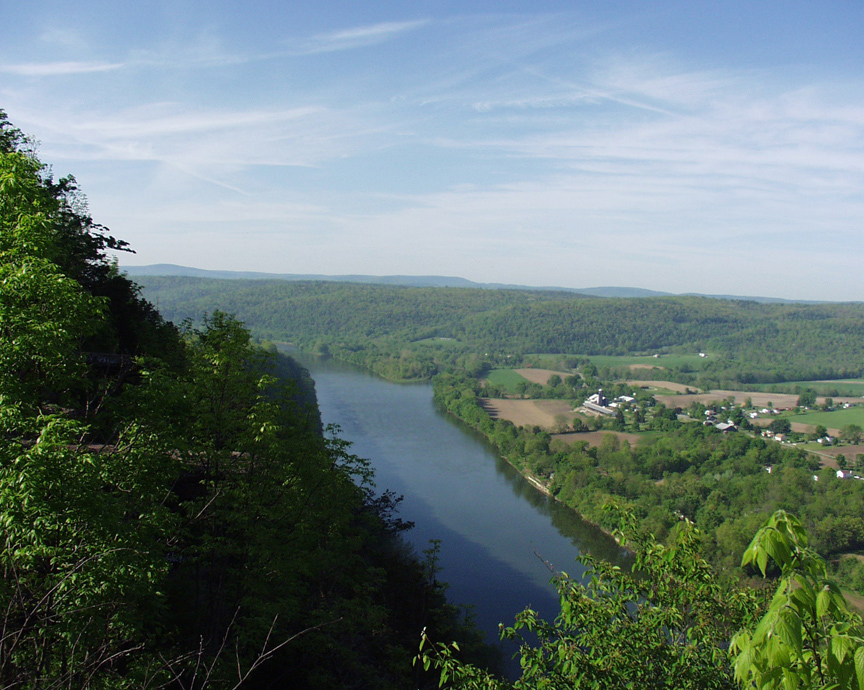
494,526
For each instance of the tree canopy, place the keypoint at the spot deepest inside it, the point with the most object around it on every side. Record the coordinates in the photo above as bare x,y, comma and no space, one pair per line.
172,514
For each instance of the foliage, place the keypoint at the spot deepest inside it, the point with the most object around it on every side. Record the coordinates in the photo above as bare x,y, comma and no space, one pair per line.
406,332
80,583
82,555
851,433
664,625
172,513
808,638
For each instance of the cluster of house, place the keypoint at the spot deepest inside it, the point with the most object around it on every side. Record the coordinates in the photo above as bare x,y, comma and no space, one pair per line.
841,474
600,403
824,441
711,419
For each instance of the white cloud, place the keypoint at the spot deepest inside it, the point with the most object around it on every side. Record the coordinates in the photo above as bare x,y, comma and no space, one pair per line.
520,147
53,69
204,142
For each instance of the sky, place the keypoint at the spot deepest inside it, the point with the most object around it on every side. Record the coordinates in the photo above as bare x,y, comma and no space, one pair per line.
711,147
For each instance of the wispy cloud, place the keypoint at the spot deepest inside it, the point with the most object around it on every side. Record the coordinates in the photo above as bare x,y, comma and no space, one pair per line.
222,147
501,144
357,37
153,121
52,69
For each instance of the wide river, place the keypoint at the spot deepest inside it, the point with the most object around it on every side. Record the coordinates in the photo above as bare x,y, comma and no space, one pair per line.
497,531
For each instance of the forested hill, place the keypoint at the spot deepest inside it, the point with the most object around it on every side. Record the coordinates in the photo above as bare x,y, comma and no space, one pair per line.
756,341
314,309
426,281
172,515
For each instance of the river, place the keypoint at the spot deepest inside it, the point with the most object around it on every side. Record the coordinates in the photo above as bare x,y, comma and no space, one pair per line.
498,533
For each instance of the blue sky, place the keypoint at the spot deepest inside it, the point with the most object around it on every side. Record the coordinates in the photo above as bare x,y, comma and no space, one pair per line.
713,147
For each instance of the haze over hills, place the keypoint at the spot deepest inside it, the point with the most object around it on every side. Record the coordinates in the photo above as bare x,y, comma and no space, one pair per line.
427,281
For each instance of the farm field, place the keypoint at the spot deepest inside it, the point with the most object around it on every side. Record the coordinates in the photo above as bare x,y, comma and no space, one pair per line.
528,412
540,376
833,420
543,412
845,387
779,400
651,386
828,456
650,362
595,438
508,379
635,362
797,427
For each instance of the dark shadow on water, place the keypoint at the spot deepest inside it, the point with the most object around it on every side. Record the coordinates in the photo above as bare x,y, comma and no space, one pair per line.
585,536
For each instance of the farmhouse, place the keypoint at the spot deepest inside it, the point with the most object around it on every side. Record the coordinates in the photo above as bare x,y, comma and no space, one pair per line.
599,403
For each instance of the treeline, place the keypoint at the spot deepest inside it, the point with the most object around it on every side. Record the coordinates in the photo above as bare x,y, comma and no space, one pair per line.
429,329
720,482
172,515
315,309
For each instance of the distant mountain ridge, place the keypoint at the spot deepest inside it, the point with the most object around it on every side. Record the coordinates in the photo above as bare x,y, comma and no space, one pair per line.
428,281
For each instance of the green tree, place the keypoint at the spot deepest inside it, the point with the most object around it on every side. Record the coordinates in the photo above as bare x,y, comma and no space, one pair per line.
808,638
44,315
781,425
663,626
80,592
807,398
561,424
851,433
84,524
819,432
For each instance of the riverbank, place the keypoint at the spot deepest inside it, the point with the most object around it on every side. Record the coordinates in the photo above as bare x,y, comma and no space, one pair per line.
490,523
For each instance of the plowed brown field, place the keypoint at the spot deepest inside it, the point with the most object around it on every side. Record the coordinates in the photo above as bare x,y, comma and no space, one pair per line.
528,412
540,376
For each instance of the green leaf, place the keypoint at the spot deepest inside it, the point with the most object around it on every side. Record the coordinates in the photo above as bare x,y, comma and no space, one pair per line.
762,561
823,601
789,630
859,666
841,645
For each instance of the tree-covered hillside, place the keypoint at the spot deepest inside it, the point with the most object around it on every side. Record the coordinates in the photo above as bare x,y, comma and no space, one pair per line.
756,342
172,515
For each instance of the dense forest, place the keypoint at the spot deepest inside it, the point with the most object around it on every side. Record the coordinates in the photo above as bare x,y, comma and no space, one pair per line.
174,516
405,332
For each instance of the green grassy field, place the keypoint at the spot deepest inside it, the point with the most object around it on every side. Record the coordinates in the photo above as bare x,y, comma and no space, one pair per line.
832,420
852,388
506,379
